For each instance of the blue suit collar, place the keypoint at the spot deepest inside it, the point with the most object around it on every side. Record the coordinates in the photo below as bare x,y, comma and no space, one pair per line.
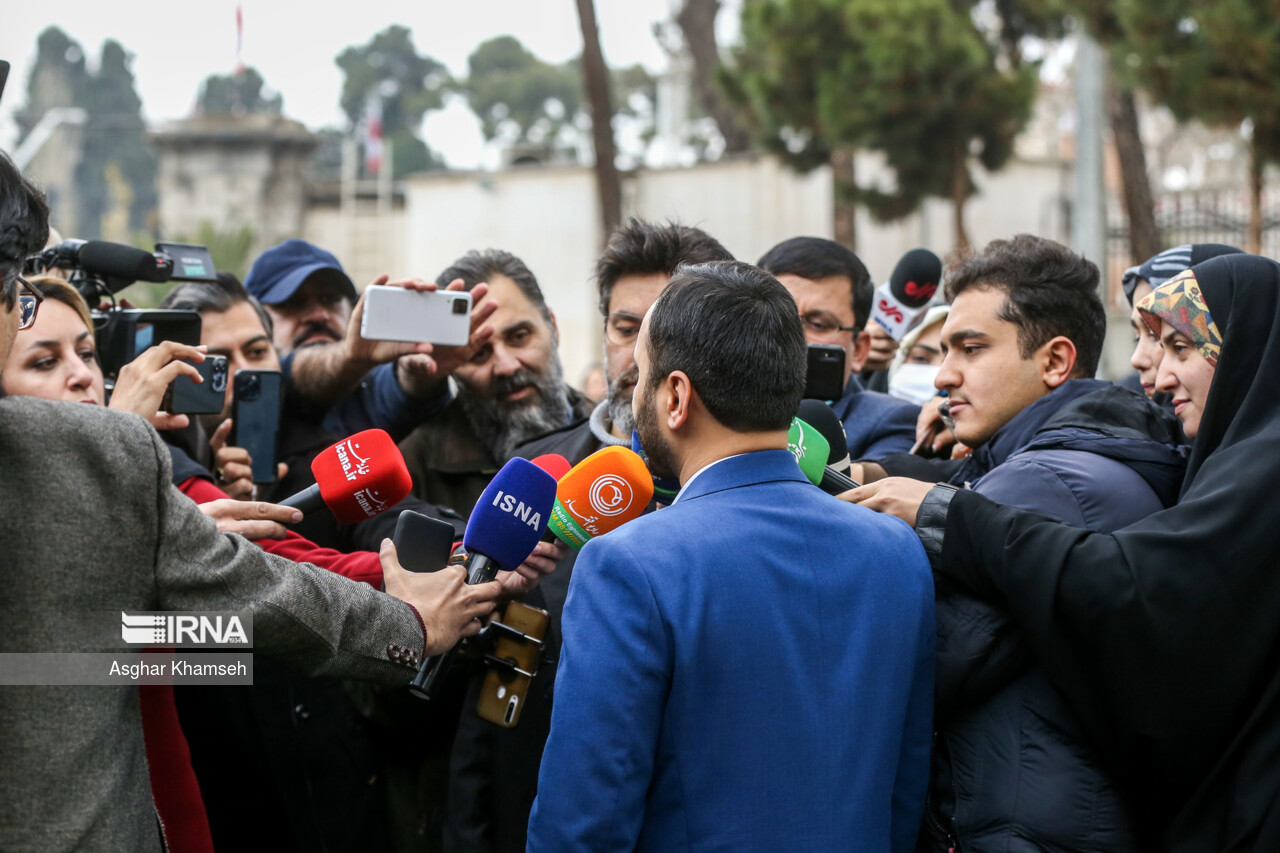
762,466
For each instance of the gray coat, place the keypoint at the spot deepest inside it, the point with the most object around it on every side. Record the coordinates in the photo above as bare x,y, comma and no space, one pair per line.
89,522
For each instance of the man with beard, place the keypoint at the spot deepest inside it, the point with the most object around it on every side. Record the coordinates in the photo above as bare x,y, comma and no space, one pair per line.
494,770
708,694
511,389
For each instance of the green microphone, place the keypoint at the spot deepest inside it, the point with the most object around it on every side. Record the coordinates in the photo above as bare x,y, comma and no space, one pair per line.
809,448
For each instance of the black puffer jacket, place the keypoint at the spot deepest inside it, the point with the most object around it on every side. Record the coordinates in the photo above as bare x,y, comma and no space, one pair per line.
1012,769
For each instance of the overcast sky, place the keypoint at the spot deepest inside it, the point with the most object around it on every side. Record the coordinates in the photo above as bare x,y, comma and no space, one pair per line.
177,44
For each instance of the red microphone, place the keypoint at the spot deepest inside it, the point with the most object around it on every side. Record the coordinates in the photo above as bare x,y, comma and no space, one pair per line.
357,478
554,464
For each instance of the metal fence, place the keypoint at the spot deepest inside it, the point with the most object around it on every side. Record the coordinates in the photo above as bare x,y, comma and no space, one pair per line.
1194,216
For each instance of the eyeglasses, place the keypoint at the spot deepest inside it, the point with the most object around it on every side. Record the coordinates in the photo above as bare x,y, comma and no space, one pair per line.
823,325
621,330
29,302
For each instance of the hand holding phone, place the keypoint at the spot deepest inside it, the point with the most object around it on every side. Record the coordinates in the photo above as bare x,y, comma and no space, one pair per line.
144,384
416,316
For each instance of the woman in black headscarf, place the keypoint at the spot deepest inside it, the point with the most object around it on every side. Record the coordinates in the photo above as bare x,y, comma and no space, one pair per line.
1164,636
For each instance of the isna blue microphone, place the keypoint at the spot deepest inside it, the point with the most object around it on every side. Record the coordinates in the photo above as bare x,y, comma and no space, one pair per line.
505,526
508,520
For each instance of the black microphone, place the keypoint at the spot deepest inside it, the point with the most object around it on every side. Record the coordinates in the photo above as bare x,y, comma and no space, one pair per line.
835,477
118,261
505,526
903,298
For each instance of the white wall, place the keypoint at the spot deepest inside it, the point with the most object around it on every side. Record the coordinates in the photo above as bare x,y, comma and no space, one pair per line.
548,217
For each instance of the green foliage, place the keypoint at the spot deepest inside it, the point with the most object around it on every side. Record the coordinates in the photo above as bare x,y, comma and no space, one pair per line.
507,86
913,79
1217,62
409,84
229,249
237,94
117,163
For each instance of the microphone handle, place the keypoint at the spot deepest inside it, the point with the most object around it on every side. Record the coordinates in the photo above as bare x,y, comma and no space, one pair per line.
480,569
834,483
308,500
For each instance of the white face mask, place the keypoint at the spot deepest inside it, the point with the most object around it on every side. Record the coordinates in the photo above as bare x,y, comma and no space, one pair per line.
914,383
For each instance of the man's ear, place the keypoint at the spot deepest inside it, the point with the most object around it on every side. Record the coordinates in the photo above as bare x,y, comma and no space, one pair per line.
679,399
555,330
861,349
1057,361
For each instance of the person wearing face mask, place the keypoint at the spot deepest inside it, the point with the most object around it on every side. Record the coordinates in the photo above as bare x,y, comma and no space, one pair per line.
915,365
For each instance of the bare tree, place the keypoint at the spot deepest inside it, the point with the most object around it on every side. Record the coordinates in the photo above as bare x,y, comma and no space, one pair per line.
697,21
1122,113
596,80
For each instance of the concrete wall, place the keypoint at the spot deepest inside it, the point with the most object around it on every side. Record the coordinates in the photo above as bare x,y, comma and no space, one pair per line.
548,217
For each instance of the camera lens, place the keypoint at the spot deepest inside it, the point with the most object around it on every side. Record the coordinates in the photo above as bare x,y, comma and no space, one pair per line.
459,306
250,388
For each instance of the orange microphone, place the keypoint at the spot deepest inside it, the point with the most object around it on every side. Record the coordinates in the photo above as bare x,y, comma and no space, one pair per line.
602,492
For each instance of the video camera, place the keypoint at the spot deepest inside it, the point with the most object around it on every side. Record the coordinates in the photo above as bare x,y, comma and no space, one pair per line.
100,269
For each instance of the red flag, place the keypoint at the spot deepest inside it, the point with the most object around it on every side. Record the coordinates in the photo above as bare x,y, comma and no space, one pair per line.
239,40
373,136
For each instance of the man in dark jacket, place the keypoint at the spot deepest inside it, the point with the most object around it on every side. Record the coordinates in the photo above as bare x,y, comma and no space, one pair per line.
1012,768
833,290
494,772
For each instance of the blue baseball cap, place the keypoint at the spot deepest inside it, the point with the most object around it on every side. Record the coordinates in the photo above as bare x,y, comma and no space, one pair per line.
280,271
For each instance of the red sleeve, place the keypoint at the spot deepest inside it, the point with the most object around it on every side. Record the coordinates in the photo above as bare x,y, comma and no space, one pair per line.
361,566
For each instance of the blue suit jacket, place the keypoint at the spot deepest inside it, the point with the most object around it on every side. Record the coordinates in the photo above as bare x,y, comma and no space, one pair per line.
875,424
748,669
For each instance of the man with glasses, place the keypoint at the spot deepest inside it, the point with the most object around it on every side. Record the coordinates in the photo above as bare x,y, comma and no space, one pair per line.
495,771
833,291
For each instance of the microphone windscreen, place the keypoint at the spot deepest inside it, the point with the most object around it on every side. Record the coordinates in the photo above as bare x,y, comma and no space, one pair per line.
511,514
553,463
809,448
116,260
602,492
820,416
915,278
361,476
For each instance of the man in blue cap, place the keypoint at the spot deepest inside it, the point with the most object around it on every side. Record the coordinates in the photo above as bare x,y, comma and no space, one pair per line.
359,384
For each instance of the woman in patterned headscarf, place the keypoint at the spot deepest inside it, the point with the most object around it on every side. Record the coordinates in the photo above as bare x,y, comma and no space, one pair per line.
1164,637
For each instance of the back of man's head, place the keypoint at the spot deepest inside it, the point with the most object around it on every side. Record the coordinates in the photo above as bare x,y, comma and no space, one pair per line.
1049,291
24,226
646,248
479,266
734,331
217,298
817,258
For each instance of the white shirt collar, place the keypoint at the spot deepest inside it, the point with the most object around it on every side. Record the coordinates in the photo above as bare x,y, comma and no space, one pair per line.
698,473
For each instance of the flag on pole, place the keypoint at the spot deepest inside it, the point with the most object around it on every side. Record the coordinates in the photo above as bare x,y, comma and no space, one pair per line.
239,40
373,134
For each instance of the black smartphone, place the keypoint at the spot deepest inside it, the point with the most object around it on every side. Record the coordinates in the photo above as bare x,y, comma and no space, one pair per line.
255,416
185,397
423,543
825,377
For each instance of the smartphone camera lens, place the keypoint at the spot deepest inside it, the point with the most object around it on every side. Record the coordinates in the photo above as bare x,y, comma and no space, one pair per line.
459,306
218,381
250,389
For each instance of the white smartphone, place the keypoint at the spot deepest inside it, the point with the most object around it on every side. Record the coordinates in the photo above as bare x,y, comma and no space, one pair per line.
413,316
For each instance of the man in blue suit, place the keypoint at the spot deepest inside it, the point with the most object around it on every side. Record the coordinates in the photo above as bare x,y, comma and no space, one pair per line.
751,668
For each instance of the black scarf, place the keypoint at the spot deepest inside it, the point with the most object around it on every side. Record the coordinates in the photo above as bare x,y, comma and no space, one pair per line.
1165,636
